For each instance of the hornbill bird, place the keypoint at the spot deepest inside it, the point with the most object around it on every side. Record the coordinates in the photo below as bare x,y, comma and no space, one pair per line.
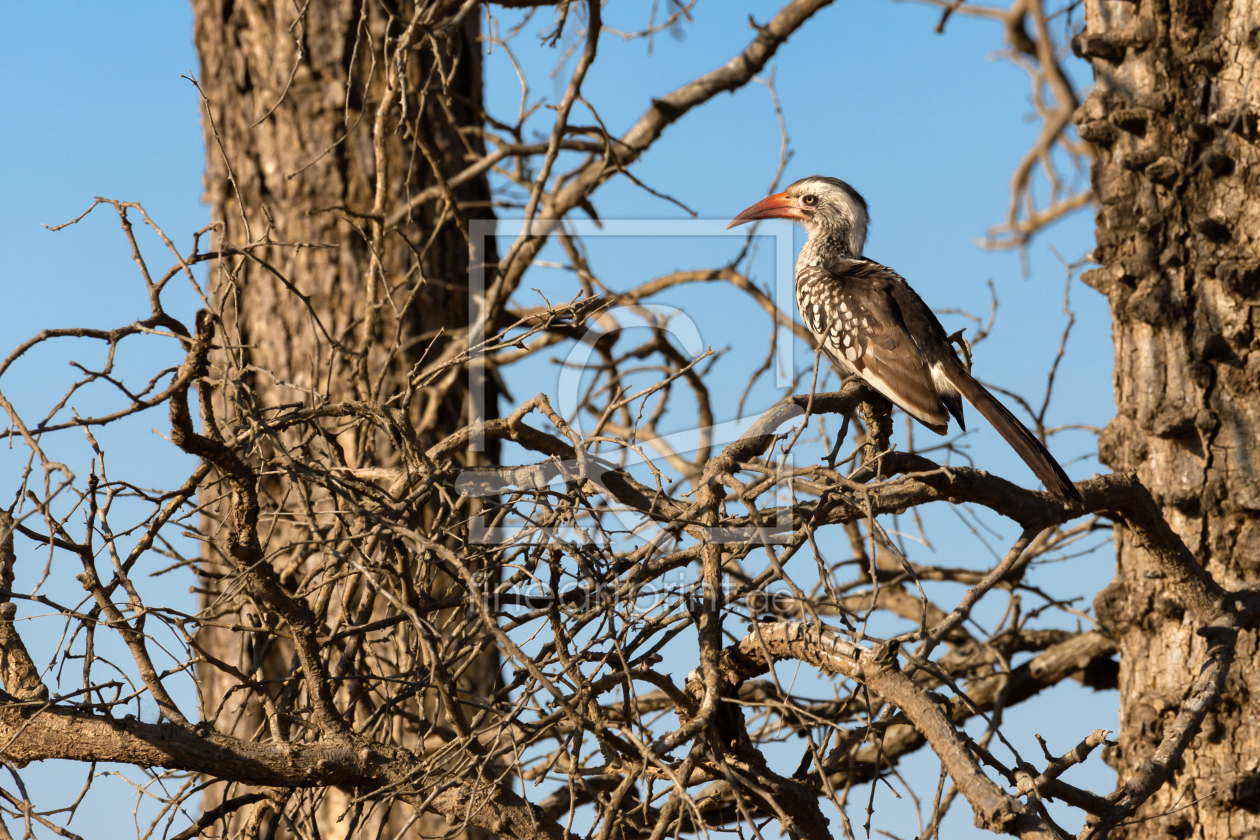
869,321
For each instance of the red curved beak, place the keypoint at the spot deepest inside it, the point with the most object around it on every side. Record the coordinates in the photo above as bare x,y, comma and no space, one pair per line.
777,206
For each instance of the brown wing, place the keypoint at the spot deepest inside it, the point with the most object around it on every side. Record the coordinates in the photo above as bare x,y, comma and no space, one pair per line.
860,326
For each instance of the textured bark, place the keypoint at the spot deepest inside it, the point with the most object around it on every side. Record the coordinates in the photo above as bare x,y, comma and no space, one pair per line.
20,676
1178,177
300,152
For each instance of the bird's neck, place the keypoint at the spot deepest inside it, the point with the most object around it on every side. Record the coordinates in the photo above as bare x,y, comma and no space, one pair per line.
824,246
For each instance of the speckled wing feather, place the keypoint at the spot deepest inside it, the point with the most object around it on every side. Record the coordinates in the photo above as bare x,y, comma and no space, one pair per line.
871,322
855,316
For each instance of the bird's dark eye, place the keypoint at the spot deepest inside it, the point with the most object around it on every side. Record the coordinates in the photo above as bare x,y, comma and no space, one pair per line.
811,200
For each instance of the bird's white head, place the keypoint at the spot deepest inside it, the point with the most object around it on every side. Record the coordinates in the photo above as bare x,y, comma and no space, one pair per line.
827,208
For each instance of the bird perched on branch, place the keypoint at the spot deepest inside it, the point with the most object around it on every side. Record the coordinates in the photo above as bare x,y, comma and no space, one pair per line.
869,321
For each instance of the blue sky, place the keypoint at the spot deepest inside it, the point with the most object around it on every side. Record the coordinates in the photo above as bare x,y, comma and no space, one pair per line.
927,127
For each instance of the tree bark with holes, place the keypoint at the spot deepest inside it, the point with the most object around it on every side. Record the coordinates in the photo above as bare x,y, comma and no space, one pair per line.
1174,121
323,123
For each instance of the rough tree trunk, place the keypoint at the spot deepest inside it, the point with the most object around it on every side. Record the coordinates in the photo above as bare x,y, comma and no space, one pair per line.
1178,178
307,173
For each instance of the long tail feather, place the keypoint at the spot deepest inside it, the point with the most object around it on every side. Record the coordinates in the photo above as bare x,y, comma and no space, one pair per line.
1024,442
